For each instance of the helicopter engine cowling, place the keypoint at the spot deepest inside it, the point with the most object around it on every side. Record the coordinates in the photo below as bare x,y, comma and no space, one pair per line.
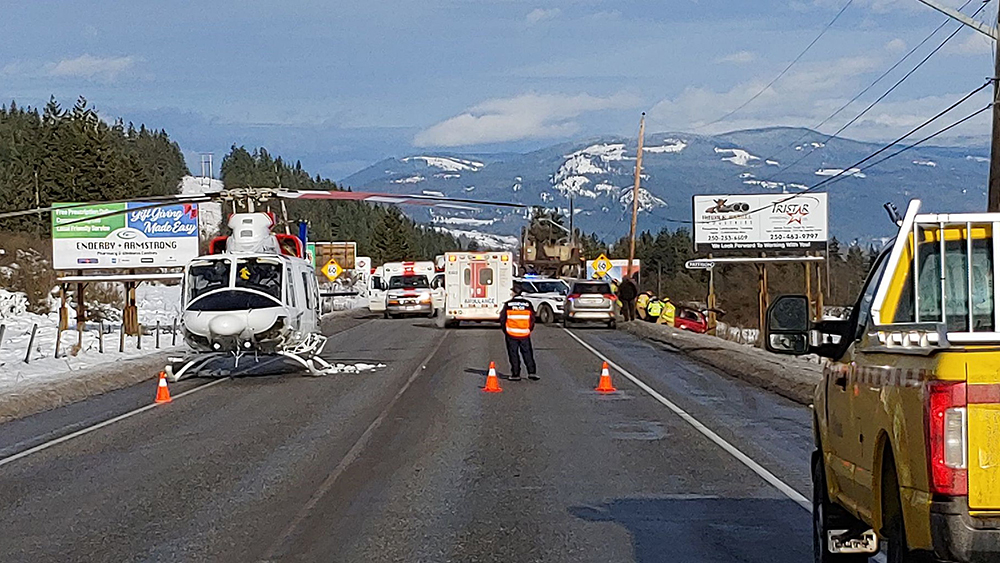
228,331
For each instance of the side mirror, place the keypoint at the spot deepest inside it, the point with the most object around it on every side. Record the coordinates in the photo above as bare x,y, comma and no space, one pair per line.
788,325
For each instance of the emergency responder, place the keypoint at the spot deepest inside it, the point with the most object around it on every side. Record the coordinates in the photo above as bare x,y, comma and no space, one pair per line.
517,319
627,293
668,312
654,309
641,303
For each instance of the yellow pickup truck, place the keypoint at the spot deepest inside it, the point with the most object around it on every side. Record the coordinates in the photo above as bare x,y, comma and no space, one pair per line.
907,417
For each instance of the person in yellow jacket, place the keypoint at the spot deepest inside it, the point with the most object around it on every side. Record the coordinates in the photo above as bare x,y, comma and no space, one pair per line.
653,309
667,313
641,303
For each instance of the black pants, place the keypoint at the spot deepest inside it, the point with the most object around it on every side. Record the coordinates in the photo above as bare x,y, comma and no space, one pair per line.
628,309
522,346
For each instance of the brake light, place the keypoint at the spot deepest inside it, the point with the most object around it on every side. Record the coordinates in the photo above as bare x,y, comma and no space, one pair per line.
947,438
573,296
610,296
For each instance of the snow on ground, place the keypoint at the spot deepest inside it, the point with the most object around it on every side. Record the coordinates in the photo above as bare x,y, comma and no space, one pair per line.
575,185
856,172
409,180
606,189
772,163
448,164
469,189
484,240
577,165
607,152
546,197
468,221
209,214
977,158
929,163
155,302
647,201
446,176
739,157
765,184
434,193
668,146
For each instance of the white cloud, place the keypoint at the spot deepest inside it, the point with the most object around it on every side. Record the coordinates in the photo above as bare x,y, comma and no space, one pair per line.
91,67
739,57
541,14
529,116
974,44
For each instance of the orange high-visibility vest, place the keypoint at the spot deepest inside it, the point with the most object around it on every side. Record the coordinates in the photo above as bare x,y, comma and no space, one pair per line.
518,323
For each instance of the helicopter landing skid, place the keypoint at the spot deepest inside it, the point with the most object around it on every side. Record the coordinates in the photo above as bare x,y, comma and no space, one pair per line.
189,366
307,354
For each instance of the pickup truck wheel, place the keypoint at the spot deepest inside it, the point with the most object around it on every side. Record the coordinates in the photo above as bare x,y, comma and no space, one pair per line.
545,315
828,516
894,543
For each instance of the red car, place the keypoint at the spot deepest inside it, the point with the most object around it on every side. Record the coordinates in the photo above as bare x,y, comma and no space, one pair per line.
691,320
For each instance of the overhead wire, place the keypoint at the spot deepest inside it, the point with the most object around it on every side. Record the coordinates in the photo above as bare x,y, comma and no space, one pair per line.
880,98
783,72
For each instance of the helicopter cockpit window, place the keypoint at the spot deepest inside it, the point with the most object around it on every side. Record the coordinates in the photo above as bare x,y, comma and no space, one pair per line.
207,275
260,274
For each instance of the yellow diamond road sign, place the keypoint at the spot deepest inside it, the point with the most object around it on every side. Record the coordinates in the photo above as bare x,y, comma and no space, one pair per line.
332,270
602,265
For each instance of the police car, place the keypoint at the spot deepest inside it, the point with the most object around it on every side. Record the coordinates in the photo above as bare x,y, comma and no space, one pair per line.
547,296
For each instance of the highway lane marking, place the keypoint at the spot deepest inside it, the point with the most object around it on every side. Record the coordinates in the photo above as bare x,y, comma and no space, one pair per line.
99,425
351,457
732,450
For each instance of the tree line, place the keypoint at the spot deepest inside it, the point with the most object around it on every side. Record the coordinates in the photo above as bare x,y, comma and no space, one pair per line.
382,232
56,155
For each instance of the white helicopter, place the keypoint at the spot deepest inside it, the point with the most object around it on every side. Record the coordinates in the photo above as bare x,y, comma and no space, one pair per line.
255,292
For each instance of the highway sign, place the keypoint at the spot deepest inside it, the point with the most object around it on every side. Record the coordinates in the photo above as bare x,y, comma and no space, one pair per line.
602,265
160,237
699,264
332,270
760,222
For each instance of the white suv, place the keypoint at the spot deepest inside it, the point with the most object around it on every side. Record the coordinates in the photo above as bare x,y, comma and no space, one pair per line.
547,296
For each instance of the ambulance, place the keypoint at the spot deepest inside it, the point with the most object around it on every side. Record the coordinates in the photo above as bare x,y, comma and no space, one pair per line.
408,288
476,285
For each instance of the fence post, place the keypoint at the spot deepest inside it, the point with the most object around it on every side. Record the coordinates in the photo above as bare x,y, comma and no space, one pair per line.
121,340
58,342
173,337
3,329
157,334
138,339
100,338
31,343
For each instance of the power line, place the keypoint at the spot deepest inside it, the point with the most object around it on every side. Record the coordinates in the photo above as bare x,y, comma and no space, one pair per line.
783,72
880,98
865,91
856,167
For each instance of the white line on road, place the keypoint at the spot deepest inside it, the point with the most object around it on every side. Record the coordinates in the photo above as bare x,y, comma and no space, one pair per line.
348,459
99,425
732,450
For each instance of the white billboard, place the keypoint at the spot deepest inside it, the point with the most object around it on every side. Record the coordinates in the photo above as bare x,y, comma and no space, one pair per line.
123,235
760,222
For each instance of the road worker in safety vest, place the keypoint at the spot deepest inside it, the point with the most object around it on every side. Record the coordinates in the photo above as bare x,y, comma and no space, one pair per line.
641,303
517,319
668,313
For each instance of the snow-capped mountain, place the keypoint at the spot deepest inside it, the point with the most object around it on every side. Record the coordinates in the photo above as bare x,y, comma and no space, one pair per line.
598,174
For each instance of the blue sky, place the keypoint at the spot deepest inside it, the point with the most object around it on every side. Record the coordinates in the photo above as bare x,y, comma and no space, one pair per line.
341,85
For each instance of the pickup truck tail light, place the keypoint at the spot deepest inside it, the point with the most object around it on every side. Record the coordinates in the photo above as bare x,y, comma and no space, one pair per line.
947,438
573,296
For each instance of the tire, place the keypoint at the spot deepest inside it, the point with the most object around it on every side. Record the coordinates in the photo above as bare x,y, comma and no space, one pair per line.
545,315
893,532
612,325
827,516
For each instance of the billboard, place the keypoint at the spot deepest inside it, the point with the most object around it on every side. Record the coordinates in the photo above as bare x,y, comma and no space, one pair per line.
760,222
603,268
161,237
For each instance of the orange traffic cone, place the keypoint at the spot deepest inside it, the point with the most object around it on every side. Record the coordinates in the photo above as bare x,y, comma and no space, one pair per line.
604,386
492,381
162,392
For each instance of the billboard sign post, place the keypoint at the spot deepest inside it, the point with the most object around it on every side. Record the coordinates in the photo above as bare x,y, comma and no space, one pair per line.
139,237
760,222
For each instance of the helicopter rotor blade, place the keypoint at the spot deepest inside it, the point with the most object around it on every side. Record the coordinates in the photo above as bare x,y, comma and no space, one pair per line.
173,199
398,199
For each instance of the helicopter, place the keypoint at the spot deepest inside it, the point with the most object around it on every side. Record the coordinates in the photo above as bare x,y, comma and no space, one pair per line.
255,292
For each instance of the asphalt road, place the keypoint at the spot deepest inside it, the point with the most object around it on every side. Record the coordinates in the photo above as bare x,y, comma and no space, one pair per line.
413,462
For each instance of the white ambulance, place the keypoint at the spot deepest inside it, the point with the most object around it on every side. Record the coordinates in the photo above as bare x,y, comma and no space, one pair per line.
476,284
408,288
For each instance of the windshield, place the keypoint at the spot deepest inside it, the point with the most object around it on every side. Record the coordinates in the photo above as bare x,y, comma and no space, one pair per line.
400,282
551,287
592,288
260,274
207,275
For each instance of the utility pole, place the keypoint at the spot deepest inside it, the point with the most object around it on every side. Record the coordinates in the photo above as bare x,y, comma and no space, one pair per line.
993,199
635,195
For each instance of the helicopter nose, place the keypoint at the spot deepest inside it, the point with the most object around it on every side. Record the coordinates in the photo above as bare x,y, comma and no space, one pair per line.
226,325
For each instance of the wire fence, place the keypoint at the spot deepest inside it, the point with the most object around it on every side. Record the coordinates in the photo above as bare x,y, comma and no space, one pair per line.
99,337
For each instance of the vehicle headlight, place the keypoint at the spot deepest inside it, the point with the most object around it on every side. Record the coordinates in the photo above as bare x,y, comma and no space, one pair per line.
425,298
